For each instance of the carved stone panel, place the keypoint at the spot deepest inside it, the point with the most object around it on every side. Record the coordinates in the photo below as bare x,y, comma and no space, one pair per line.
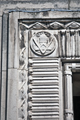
44,89
43,43
66,34
40,74
33,46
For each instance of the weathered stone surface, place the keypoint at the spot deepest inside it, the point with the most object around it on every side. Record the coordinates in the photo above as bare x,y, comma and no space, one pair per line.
12,90
27,77
34,1
3,95
0,45
4,42
61,4
75,4
13,41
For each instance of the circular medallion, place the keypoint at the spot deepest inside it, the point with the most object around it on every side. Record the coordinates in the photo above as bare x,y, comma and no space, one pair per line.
43,43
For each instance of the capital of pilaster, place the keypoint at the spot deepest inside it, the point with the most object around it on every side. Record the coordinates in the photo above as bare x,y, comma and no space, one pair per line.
72,32
68,111
67,72
63,31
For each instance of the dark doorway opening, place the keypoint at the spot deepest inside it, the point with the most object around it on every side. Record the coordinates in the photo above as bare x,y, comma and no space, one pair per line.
76,95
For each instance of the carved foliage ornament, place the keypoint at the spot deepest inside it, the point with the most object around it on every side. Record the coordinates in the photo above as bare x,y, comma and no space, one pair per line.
43,43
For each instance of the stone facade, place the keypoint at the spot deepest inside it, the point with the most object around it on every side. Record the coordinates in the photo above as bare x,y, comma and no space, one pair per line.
40,49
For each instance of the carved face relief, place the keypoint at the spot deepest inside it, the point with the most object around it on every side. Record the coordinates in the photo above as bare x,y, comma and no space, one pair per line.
42,43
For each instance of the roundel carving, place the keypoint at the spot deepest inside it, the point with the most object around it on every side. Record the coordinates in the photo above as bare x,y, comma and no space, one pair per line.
43,43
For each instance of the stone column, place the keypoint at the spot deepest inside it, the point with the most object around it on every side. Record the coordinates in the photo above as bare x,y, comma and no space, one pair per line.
68,94
72,43
63,42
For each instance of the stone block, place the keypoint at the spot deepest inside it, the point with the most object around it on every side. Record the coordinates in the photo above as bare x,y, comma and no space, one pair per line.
13,41
75,4
12,94
3,95
37,3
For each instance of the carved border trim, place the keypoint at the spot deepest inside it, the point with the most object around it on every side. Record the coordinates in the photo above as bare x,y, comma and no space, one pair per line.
53,25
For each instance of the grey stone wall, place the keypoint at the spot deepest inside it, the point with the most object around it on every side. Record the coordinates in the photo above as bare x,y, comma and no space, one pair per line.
39,4
56,4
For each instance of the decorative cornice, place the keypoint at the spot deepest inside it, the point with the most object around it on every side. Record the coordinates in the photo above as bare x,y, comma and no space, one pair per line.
53,25
35,26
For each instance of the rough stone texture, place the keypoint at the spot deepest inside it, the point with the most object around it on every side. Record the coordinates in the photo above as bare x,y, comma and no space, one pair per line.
34,1
75,4
39,4
12,91
33,5
42,4
0,44
4,66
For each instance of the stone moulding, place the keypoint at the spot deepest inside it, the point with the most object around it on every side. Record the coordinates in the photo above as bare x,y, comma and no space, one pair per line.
67,34
53,25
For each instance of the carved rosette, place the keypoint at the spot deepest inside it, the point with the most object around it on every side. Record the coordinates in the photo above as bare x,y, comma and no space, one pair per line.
43,43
